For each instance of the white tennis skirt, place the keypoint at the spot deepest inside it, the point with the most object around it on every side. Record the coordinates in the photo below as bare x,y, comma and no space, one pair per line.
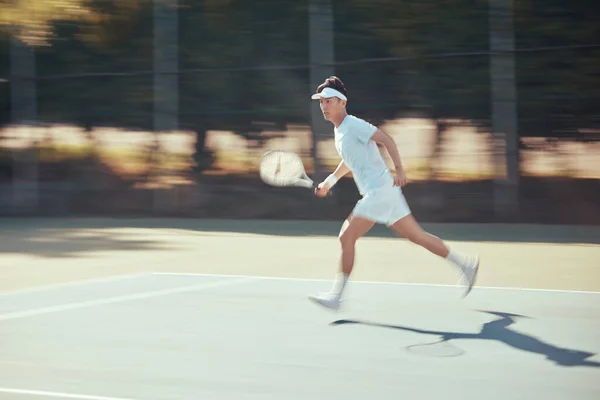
385,205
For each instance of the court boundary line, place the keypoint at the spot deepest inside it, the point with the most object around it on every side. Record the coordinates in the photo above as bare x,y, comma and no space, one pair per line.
118,299
266,277
45,393
84,281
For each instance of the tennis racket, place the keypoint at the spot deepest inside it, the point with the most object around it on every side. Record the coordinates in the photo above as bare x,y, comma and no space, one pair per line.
284,168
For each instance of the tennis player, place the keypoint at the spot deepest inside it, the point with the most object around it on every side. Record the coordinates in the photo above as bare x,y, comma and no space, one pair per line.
382,199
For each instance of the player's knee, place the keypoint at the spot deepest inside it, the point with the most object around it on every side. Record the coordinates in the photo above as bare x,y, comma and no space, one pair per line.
347,239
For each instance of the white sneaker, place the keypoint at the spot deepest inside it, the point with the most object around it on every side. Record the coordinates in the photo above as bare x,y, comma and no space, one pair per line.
329,300
468,273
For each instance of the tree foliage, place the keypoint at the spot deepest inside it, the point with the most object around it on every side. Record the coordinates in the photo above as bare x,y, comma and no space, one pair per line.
218,38
31,21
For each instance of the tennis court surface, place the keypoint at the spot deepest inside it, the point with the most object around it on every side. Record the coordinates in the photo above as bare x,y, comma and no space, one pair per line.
155,320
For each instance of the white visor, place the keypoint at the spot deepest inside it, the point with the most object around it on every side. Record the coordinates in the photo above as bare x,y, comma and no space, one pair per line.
328,93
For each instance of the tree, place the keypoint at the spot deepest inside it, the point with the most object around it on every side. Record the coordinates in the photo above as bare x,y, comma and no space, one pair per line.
557,88
231,44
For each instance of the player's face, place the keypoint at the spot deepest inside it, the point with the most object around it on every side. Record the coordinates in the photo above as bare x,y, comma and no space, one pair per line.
331,107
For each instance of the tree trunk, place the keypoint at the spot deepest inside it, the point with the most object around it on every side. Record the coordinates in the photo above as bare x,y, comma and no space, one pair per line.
202,156
435,196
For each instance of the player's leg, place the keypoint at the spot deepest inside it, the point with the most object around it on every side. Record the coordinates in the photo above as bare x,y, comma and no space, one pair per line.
353,229
410,229
468,266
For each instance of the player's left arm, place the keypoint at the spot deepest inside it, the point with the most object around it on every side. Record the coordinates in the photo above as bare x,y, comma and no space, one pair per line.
390,145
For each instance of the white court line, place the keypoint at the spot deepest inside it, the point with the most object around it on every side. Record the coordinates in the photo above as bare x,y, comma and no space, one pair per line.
59,285
278,278
59,394
118,299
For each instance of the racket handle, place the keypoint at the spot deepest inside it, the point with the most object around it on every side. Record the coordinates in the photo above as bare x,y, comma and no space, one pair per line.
315,187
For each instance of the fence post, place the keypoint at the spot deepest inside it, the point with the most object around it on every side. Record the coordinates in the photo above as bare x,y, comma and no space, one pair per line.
504,108
23,95
321,53
166,89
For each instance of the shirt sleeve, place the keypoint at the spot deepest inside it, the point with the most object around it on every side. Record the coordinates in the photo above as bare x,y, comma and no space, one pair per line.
363,130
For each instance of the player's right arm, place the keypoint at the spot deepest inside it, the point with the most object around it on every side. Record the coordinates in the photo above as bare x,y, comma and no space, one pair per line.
324,187
341,170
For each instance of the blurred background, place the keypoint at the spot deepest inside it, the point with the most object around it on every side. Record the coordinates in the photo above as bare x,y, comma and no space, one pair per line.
164,107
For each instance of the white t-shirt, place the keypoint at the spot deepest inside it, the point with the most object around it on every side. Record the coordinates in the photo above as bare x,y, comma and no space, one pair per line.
361,154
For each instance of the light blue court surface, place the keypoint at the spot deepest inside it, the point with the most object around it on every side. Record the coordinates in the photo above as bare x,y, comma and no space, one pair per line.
169,336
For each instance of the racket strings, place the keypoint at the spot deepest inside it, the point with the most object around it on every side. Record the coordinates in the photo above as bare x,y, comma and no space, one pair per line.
281,168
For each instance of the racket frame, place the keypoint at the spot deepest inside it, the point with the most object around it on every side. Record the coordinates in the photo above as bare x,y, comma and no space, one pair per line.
302,181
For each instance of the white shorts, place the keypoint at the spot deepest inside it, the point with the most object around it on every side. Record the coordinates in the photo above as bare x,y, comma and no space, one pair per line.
385,205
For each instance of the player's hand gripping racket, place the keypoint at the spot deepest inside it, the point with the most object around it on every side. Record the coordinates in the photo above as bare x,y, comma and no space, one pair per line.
284,168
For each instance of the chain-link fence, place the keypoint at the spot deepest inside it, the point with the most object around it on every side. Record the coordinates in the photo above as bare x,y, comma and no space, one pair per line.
165,107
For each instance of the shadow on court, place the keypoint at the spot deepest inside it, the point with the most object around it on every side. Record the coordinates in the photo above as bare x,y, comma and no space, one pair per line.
510,233
499,330
51,243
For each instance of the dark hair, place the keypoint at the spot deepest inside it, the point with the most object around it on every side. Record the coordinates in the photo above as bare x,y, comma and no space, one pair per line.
333,82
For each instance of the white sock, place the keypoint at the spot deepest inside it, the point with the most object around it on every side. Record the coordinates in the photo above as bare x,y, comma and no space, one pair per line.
456,258
339,283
